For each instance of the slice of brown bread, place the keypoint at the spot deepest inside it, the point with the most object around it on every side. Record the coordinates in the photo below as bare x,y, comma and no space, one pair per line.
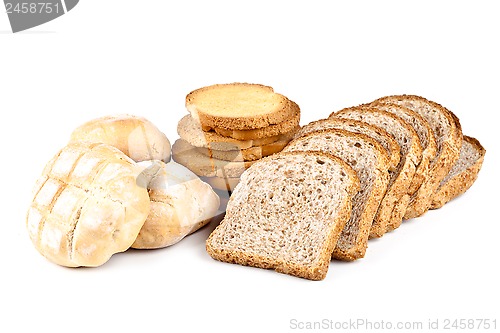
286,126
249,154
238,106
370,161
463,174
411,154
448,134
187,155
425,135
377,133
286,214
190,131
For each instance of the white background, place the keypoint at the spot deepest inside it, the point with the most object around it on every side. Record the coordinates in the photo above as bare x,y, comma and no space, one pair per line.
143,57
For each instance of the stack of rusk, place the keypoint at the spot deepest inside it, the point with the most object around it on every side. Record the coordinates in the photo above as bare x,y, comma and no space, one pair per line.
229,127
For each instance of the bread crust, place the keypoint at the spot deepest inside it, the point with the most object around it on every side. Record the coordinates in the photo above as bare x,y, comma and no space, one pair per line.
448,149
348,249
275,108
87,205
317,271
462,181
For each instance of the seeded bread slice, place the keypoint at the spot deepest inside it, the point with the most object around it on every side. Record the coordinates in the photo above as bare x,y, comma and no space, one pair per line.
377,133
425,135
238,106
411,154
448,134
250,154
286,126
286,214
463,174
370,161
190,131
187,155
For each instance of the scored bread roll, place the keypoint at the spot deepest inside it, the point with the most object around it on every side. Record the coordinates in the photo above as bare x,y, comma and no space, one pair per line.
87,205
180,204
135,136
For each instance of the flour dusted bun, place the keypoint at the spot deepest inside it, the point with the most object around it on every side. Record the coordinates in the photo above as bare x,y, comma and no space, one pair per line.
87,205
135,136
180,204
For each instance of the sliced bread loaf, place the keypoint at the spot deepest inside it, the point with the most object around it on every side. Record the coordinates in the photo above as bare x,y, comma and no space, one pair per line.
187,155
425,135
377,133
448,134
371,163
286,126
411,154
286,214
463,174
238,106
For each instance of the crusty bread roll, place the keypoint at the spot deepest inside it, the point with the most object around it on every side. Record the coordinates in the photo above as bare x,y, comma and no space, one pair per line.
87,205
180,204
135,136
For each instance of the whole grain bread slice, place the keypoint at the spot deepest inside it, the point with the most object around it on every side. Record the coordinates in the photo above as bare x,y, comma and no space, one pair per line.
190,131
463,174
425,135
371,163
286,214
238,106
448,134
286,126
187,155
377,133
249,154
400,180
